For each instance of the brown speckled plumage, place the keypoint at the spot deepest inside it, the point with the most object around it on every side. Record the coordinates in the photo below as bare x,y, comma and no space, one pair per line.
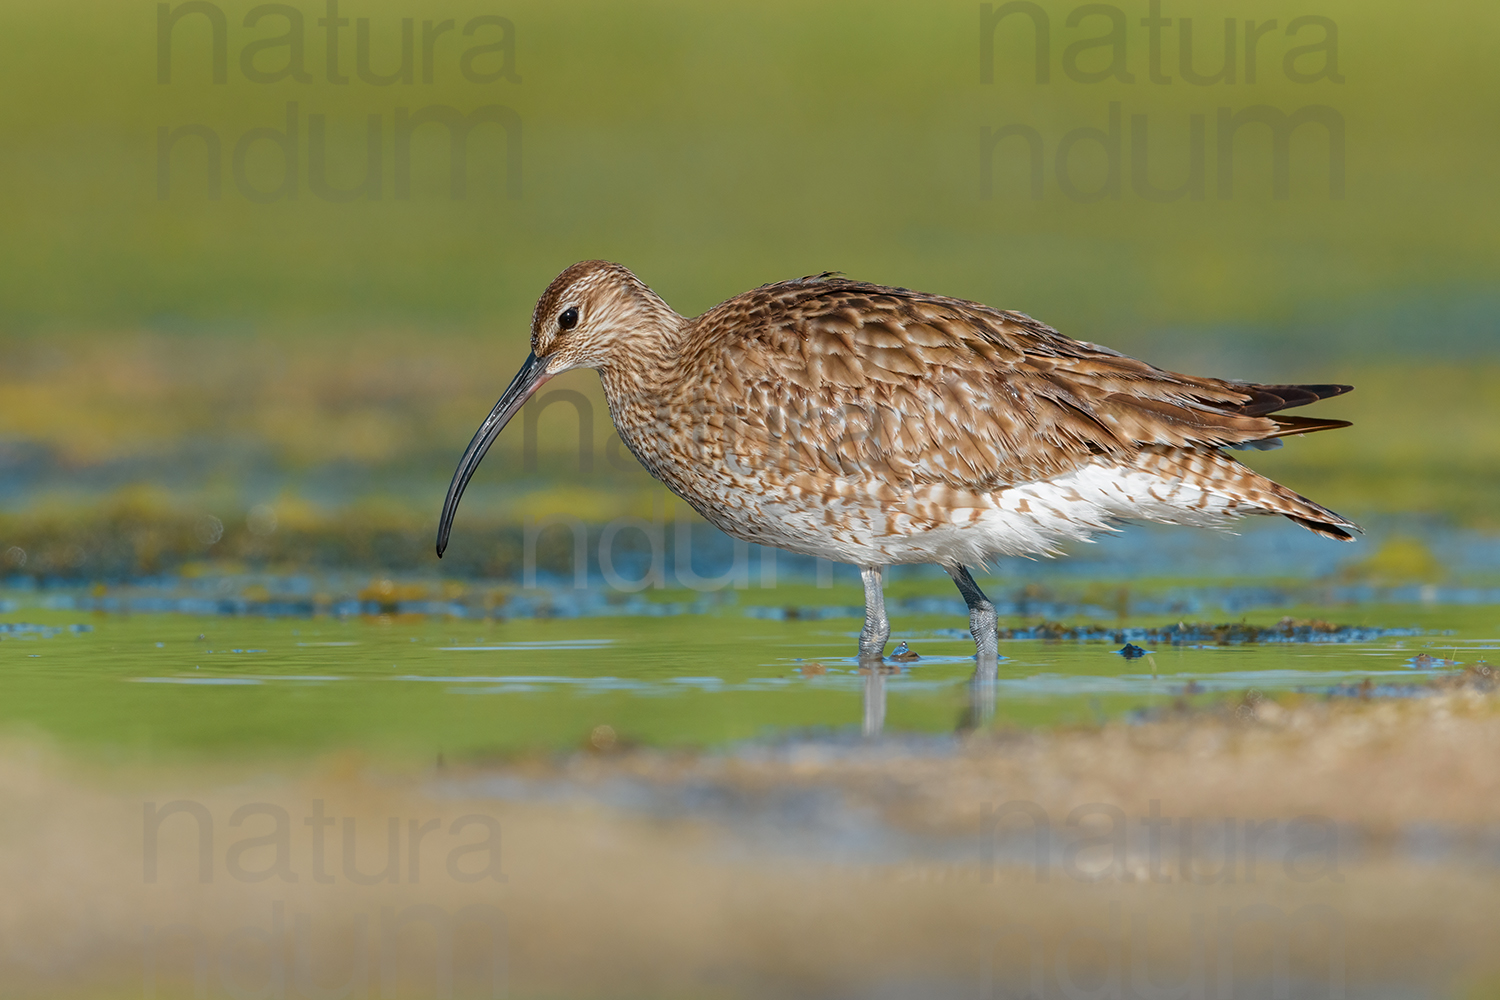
879,425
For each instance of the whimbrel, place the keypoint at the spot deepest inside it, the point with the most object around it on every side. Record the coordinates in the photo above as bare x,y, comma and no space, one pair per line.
879,426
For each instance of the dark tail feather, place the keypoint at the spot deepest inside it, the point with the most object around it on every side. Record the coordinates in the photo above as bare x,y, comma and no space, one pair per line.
1323,528
1266,399
1304,425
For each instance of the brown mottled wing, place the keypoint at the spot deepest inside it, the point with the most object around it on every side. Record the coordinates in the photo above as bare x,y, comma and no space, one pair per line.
921,388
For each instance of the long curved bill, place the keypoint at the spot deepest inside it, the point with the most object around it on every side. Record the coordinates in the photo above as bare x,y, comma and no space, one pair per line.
530,378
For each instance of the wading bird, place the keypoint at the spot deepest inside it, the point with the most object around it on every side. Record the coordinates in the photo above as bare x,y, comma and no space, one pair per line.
879,426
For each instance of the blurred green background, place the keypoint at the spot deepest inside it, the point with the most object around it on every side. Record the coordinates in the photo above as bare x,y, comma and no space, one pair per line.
257,400
166,358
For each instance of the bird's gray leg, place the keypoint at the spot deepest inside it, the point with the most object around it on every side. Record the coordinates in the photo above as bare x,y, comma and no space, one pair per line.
877,626
982,624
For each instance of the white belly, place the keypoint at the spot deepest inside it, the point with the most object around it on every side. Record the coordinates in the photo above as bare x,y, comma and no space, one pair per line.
863,524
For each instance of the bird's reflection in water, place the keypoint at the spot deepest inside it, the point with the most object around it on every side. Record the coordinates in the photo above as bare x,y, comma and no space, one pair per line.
978,713
982,689
875,676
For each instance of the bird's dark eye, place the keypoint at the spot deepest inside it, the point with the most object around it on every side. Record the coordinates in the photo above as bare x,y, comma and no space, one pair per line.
569,318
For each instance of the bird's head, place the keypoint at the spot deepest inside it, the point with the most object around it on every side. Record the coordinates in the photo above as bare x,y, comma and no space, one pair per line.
593,315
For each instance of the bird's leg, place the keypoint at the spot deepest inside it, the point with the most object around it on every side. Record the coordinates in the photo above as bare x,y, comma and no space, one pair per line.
982,624
877,626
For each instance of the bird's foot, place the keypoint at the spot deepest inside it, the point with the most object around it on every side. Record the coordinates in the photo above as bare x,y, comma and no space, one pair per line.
872,643
985,628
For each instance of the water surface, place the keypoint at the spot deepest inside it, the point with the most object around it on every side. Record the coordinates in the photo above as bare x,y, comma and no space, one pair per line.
424,684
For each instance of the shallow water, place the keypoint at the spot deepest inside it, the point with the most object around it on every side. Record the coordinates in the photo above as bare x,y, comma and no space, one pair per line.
414,685
848,815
